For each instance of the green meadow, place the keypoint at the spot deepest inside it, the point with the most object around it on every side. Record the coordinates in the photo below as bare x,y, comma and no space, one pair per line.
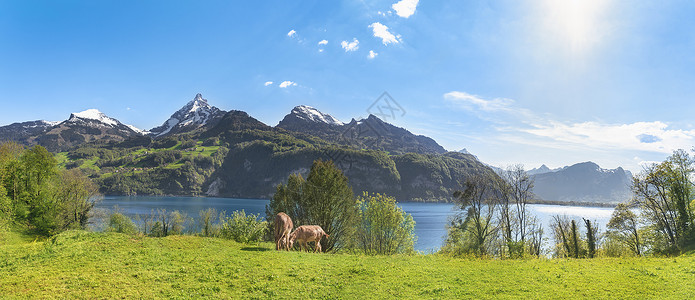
80,264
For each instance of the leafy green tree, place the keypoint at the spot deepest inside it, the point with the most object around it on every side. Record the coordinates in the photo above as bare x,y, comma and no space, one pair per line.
325,198
76,196
664,192
383,227
623,225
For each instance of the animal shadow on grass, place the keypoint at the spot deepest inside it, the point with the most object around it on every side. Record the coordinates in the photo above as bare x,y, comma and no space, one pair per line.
254,249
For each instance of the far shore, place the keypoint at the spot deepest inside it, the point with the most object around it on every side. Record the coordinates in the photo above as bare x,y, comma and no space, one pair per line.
534,201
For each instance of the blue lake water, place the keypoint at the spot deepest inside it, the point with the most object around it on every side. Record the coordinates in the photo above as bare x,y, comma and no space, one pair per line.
430,218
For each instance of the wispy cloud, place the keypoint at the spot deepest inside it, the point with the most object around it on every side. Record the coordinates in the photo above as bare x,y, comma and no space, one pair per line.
405,8
382,31
643,136
372,54
467,101
520,125
287,83
267,83
350,46
292,33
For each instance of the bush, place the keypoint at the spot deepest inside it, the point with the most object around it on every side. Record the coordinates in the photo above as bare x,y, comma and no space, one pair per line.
243,228
384,228
120,223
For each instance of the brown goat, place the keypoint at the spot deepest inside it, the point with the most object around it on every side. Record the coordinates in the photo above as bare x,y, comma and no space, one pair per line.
283,227
308,233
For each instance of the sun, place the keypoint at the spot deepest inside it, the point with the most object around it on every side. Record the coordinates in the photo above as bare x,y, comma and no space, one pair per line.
576,24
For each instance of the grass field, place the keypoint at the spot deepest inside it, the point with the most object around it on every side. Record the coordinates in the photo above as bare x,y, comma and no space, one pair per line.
79,264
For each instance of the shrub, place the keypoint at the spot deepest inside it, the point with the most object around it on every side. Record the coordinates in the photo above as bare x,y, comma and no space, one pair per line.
243,228
384,228
120,223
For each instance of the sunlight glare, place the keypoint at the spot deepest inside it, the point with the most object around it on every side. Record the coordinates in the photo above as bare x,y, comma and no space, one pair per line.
577,24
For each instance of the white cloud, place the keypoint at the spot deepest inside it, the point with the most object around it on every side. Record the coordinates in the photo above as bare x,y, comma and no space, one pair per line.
351,46
292,33
287,83
468,101
381,31
405,8
323,42
267,83
519,125
372,54
659,137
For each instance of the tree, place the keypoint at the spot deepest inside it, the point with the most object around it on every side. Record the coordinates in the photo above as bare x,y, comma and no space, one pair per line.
325,198
565,236
473,229
623,225
664,192
39,195
516,223
76,196
591,233
383,227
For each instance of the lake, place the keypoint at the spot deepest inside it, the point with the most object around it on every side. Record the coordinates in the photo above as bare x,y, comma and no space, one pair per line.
430,218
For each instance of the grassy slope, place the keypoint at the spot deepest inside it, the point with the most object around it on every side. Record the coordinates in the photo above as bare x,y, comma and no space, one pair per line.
96,265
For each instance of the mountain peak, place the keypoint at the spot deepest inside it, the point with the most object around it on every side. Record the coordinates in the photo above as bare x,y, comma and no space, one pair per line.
309,113
199,97
93,114
194,114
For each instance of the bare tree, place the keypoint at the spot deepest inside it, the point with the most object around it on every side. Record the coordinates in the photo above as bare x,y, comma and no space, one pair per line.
515,190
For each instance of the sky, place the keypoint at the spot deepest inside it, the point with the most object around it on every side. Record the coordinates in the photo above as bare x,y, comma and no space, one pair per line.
512,81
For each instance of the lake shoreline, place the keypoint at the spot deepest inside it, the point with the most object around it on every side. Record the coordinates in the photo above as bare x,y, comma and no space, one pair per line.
535,201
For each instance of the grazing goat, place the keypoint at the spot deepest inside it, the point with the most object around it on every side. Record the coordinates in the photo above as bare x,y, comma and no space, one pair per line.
308,233
283,226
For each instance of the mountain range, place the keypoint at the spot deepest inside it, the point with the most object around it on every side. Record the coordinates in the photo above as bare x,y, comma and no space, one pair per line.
203,150
583,182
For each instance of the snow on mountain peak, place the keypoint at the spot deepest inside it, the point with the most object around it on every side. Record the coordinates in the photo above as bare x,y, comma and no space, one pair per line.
195,112
95,114
312,114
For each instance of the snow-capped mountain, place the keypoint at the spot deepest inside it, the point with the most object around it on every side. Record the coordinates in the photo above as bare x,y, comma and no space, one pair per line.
24,130
86,126
94,118
309,113
196,113
369,133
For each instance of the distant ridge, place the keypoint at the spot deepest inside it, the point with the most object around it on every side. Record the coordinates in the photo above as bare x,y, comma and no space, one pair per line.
582,182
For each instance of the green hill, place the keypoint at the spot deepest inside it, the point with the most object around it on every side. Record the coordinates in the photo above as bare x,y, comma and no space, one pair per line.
78,264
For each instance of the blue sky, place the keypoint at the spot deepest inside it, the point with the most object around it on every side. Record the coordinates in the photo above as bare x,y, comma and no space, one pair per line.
522,81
